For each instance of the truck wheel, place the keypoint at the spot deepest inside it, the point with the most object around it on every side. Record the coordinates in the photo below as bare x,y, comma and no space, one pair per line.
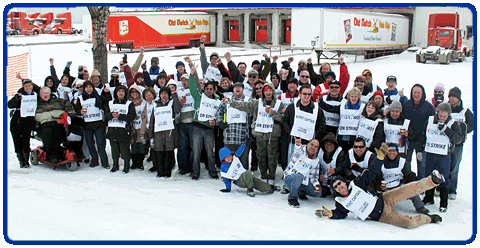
59,31
461,58
449,58
35,32
33,158
420,60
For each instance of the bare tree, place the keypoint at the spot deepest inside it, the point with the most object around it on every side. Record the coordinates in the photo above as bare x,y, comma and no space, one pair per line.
99,17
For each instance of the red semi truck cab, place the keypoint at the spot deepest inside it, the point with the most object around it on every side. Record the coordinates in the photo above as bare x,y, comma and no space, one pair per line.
444,31
41,22
62,24
21,23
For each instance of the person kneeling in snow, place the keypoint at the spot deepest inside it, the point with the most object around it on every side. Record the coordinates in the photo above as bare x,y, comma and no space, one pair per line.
232,170
365,204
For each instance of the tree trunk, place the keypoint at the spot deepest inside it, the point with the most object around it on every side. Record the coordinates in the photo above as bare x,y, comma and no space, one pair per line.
99,17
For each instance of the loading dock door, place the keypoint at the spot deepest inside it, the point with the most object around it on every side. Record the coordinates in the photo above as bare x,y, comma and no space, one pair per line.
261,30
288,31
234,31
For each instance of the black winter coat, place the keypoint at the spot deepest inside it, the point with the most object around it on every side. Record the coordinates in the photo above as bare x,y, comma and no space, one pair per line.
17,122
417,114
289,115
118,133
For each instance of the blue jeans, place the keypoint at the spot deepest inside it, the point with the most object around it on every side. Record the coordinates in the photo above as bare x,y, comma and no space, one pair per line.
455,159
186,144
203,136
99,135
442,164
413,145
294,184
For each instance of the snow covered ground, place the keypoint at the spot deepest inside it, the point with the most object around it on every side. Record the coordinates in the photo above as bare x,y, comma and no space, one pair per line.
94,204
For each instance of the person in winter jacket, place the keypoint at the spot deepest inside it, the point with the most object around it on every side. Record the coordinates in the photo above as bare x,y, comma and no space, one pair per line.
379,99
50,131
357,160
139,147
321,79
330,104
304,119
394,172
163,131
232,170
119,114
391,93
397,128
211,70
370,127
24,103
441,134
128,71
150,75
465,118
302,173
267,116
354,196
332,158
350,112
204,121
114,77
370,86
417,110
90,105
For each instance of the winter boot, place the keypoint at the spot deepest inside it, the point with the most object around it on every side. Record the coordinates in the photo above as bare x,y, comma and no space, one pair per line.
114,168
161,170
276,188
126,167
437,177
26,157
302,196
443,200
20,160
250,193
435,218
428,199
140,161
134,161
294,203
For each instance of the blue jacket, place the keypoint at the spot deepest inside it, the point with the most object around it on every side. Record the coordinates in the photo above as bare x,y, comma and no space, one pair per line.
394,92
418,115
223,153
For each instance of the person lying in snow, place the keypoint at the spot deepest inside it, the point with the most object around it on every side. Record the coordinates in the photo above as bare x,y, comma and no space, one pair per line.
356,198
232,170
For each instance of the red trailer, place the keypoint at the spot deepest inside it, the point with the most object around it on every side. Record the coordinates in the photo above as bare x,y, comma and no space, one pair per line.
62,24
134,30
261,30
234,34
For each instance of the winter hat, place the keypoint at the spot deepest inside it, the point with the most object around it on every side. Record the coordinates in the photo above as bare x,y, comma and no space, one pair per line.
78,81
115,71
252,72
396,106
80,69
95,73
223,153
366,71
265,88
238,84
377,93
134,87
360,77
440,87
302,61
455,92
181,63
444,106
184,76
304,72
329,74
255,62
214,54
293,80
172,82
391,77
335,179
392,146
165,89
335,82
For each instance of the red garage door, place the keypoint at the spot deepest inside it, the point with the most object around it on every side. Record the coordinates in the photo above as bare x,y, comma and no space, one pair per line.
288,31
234,31
261,31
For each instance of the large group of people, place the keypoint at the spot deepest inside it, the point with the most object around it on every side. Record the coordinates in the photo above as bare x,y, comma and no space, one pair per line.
326,139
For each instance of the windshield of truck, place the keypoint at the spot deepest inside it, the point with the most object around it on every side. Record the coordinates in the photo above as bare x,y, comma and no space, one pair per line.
444,33
57,21
31,22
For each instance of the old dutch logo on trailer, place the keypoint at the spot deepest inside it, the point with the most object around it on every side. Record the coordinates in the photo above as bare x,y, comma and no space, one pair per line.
123,27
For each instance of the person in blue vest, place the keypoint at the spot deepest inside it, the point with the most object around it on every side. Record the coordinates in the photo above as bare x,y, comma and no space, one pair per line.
465,118
232,170
355,197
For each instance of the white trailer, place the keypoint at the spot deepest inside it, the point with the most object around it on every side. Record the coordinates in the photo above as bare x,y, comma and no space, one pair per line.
340,30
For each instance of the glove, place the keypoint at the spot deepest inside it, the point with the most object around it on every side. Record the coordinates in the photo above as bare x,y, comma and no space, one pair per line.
152,144
225,190
124,59
382,152
442,127
323,212
389,100
143,140
144,66
419,156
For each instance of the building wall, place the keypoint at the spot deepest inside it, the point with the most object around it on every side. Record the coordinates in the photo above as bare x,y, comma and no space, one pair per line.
420,21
